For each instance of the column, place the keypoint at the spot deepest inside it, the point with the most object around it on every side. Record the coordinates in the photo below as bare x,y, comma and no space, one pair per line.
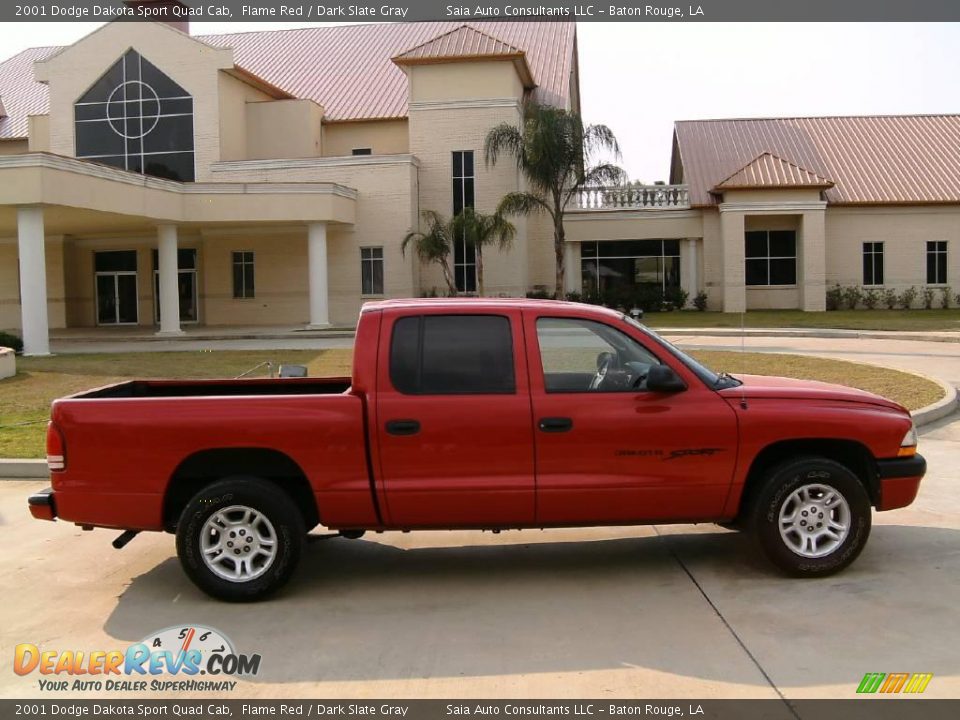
317,266
688,268
812,275
732,239
571,267
169,292
33,281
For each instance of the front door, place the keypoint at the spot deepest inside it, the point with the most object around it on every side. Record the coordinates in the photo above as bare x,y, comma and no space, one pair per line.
607,449
452,422
115,278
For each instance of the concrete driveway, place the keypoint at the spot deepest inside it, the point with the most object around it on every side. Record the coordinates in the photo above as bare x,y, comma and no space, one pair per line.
682,611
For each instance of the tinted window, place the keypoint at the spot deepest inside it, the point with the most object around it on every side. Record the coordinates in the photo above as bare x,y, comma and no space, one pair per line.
452,355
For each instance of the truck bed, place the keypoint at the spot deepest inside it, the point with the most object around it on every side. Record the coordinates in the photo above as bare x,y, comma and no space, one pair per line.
218,388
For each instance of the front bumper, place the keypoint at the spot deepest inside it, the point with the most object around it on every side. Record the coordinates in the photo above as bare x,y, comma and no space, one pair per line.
900,481
42,506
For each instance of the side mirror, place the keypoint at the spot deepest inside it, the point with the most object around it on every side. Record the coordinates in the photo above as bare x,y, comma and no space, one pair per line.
663,378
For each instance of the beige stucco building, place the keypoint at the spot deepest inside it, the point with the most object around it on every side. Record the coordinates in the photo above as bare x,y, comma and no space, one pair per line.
151,178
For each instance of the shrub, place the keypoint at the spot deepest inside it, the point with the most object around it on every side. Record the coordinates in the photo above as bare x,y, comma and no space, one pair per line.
852,296
834,297
956,298
928,293
677,297
700,301
540,294
945,297
907,298
890,298
574,296
11,341
871,298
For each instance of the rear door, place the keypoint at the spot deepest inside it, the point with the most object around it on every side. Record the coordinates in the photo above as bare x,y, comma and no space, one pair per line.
454,433
607,449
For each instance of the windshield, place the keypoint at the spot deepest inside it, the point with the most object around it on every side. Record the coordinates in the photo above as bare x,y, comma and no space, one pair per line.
712,379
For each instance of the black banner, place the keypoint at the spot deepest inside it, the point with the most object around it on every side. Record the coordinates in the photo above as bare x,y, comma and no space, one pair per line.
878,708
412,10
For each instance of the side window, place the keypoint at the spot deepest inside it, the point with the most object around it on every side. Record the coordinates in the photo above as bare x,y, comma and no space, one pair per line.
587,356
452,355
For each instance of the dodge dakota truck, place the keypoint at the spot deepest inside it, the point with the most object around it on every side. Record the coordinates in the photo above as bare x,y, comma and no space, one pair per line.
482,414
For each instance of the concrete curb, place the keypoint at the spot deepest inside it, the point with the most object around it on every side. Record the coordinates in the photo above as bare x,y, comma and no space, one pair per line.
948,404
811,333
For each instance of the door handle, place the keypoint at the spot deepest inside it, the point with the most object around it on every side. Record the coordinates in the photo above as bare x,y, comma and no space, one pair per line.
556,424
402,427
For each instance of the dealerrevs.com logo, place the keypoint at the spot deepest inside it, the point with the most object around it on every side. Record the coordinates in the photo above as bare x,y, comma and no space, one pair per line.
169,661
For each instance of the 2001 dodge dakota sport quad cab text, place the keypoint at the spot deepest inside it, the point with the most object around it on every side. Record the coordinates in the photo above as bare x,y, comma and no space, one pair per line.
487,414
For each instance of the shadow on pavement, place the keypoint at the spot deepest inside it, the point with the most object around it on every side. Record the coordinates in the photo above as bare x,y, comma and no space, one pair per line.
362,610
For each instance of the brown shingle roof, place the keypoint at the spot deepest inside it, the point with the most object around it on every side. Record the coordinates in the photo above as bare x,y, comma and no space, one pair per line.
770,171
901,159
347,69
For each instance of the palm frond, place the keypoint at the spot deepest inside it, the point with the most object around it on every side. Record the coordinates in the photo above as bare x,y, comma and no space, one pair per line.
523,203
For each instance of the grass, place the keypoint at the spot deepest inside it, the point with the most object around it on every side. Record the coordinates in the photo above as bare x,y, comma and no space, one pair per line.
25,399
841,319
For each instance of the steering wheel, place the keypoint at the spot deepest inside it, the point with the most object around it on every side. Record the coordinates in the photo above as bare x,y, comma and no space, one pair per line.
603,365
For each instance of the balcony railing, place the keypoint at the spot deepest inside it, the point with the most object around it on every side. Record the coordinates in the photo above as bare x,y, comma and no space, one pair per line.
647,197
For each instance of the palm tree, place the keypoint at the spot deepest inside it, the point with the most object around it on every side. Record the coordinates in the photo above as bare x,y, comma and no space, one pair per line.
481,230
554,151
434,245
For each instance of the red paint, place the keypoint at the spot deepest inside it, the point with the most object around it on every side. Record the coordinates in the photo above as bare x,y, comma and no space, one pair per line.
478,460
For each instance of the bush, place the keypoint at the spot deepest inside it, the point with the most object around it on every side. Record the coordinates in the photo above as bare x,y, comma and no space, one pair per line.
677,297
852,296
871,298
907,298
834,297
928,293
945,297
890,298
574,296
700,301
540,294
11,341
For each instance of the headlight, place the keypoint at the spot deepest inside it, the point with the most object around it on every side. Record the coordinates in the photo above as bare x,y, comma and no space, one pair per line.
908,446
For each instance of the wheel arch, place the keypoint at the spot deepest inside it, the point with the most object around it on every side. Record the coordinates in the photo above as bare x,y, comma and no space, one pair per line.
852,454
205,467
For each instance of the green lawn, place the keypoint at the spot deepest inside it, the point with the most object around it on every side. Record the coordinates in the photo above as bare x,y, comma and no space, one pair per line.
846,319
25,399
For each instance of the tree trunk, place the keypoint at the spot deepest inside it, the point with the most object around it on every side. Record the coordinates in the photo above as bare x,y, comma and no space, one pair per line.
559,246
448,276
479,256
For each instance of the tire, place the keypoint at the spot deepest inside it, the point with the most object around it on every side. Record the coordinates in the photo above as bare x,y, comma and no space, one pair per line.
797,496
264,550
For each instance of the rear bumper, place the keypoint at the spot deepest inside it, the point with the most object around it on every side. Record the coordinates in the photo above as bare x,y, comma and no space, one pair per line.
42,506
900,481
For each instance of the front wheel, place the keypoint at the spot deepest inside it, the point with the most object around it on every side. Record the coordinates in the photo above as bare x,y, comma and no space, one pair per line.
240,539
812,517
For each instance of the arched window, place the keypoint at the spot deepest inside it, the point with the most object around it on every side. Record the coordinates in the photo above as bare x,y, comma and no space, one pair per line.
138,119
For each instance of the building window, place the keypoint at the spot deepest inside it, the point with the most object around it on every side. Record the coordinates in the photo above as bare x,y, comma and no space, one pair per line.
937,262
873,263
771,257
136,118
371,271
243,285
628,265
452,355
464,254
362,151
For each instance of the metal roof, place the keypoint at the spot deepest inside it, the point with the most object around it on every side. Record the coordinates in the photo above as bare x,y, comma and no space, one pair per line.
895,159
768,170
347,69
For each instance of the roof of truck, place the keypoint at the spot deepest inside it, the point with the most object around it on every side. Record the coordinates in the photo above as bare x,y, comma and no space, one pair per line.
462,303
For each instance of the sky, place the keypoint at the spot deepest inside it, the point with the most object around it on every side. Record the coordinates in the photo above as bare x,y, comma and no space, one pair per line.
638,78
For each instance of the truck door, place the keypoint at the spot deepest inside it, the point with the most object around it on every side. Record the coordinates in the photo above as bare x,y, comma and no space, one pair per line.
607,449
454,428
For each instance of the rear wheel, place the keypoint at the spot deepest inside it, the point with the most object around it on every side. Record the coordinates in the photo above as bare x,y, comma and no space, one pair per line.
812,517
240,539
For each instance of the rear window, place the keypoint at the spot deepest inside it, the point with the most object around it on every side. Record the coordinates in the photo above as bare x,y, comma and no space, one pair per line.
452,355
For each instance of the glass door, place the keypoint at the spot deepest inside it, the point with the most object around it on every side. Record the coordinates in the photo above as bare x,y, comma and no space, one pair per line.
115,277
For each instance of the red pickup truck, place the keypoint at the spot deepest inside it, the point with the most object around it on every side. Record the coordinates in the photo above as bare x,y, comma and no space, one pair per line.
488,414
